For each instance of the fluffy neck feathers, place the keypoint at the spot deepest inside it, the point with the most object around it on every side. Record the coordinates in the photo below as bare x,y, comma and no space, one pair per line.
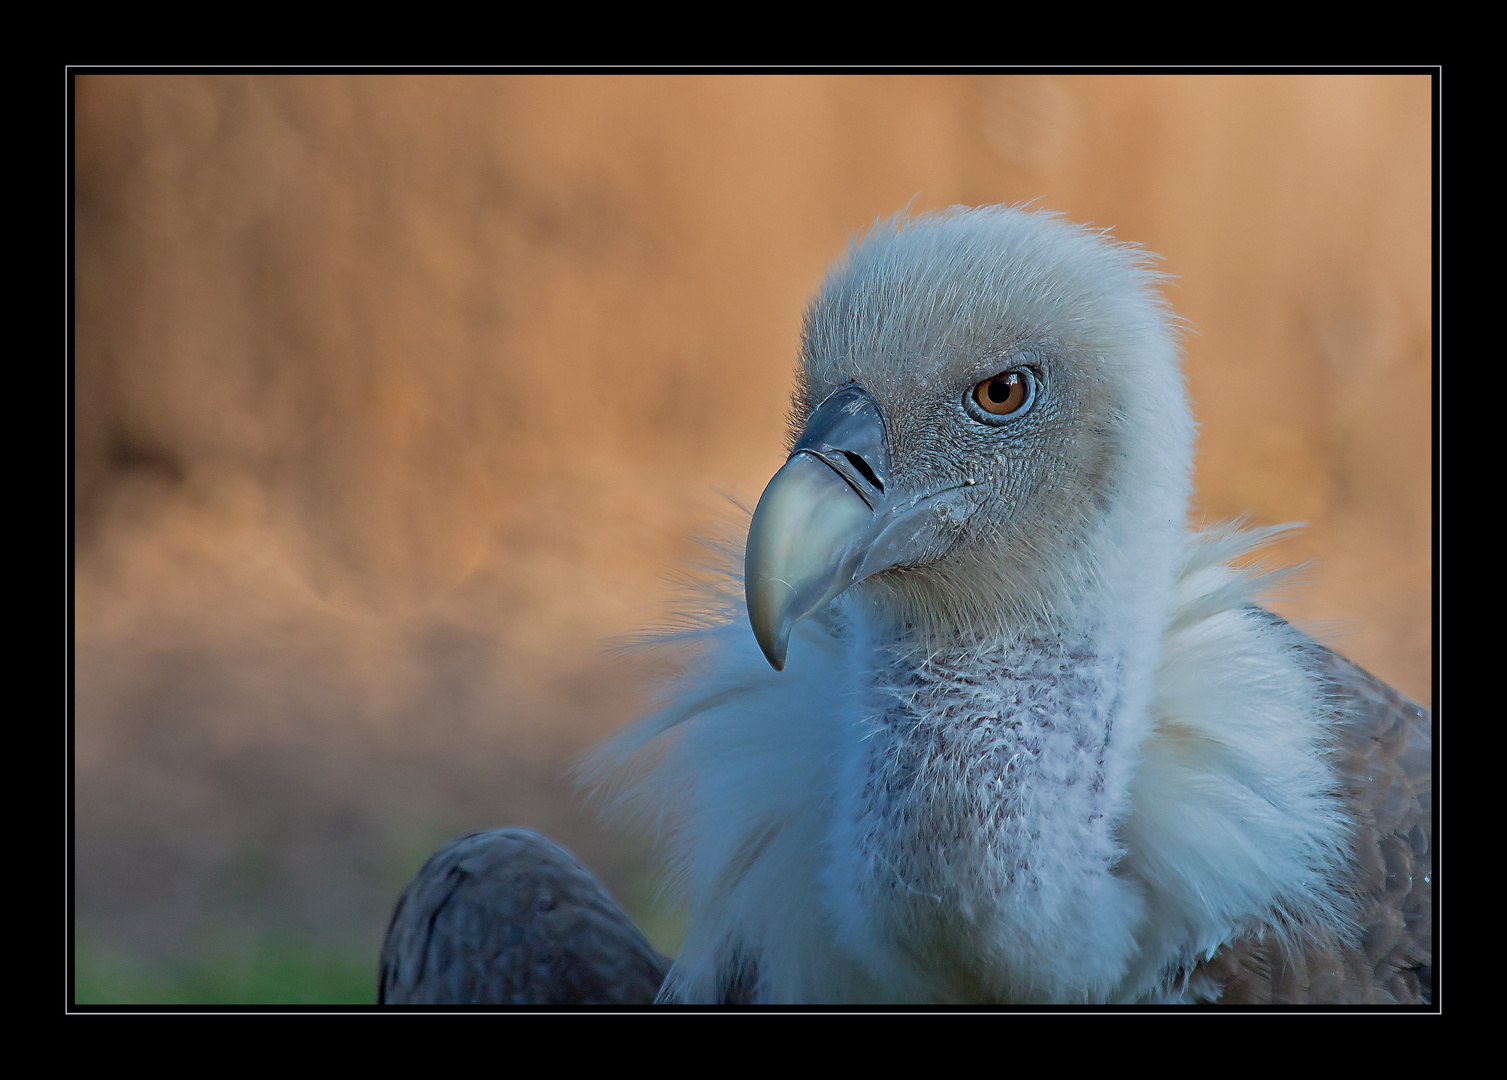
812,818
974,835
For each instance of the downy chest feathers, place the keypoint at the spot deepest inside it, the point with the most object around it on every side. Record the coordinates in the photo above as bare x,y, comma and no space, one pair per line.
974,837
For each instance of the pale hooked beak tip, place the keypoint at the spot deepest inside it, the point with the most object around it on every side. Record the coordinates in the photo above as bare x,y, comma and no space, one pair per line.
768,615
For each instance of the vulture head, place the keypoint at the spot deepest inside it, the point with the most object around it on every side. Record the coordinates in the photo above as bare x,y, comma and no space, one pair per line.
989,427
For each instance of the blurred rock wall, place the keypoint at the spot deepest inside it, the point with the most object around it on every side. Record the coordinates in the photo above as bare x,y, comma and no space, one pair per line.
396,396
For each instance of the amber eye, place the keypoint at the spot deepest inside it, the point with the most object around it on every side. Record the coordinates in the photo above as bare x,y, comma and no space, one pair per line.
1005,394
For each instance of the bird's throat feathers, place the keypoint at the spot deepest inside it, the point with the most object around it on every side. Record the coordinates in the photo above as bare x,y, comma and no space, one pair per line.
977,819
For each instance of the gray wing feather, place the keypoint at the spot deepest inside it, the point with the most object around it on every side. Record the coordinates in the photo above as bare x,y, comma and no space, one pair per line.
1386,770
508,917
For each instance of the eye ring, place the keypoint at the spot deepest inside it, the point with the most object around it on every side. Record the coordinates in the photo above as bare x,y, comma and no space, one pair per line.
1003,397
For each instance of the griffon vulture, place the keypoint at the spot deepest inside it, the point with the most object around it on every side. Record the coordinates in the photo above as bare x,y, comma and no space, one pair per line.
984,719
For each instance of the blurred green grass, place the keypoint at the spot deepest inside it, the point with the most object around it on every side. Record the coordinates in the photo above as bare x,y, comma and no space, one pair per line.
663,925
242,967
249,973
278,972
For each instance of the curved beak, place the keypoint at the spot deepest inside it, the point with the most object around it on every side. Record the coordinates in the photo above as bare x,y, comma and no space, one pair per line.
827,520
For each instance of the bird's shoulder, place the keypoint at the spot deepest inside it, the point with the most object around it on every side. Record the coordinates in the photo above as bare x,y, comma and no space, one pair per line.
1383,765
508,916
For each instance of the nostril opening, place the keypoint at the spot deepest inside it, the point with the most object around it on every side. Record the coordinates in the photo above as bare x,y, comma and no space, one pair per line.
863,467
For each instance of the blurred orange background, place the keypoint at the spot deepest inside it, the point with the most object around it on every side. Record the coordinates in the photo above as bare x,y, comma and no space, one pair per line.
397,396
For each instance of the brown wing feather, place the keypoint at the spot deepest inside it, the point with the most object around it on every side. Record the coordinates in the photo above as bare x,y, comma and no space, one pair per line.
509,917
1386,771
